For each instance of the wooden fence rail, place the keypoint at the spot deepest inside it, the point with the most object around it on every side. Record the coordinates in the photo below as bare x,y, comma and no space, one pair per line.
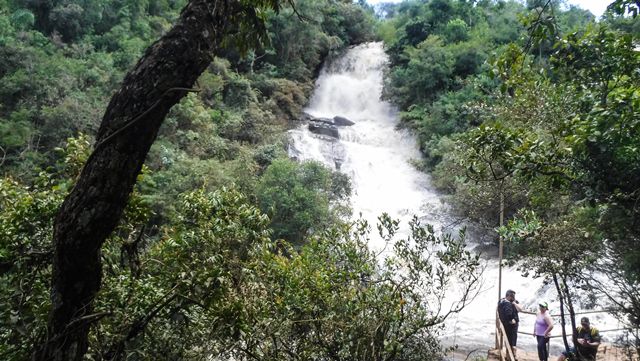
567,315
502,343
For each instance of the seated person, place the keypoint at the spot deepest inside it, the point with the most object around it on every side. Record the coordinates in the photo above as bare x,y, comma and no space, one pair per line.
588,342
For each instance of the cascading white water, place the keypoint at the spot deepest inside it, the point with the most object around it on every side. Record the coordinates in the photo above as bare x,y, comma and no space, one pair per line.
372,152
377,157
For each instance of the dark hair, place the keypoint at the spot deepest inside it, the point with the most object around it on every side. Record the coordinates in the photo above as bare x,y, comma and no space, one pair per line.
584,320
510,293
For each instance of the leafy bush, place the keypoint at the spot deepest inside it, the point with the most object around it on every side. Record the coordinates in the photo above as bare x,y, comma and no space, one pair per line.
300,198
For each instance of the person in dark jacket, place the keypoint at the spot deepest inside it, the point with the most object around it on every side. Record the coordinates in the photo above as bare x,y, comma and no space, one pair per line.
508,309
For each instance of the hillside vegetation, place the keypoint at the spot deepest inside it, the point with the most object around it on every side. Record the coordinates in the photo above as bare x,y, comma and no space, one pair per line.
226,248
533,109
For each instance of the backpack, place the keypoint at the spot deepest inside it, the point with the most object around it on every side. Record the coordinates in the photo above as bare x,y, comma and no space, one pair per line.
593,331
505,311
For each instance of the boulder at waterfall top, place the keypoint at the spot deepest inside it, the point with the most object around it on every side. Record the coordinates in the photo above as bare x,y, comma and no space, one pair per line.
324,129
327,121
342,121
326,126
337,120
306,117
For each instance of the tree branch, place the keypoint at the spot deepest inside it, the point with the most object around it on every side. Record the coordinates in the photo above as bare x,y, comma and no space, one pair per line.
116,351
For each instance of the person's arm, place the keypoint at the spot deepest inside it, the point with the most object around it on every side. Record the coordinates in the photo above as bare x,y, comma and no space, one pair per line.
514,311
592,344
549,322
595,340
517,306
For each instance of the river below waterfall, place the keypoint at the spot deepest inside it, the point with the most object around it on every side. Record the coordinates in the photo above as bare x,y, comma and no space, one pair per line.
377,157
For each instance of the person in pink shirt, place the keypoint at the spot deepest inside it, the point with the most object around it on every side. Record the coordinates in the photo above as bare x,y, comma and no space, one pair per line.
542,331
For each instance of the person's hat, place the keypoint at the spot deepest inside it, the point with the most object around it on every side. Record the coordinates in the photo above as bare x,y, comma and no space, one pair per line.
584,320
544,304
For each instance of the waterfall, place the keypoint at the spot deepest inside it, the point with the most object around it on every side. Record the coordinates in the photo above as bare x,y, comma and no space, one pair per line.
377,157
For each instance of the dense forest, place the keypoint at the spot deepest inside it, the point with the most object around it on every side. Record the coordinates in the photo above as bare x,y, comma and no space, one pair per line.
149,209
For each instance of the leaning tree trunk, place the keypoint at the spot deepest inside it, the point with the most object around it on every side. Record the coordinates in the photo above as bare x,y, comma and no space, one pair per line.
572,314
562,317
130,125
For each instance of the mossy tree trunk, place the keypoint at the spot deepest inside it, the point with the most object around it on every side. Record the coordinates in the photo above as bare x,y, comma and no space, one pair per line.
91,211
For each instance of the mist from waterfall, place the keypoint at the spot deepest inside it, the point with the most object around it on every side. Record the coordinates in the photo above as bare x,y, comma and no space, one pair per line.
377,157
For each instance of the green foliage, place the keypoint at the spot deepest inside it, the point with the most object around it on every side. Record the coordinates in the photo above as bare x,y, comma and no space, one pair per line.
26,224
575,19
27,213
451,113
622,7
495,153
73,156
332,298
67,19
173,274
195,267
218,137
428,71
477,199
301,198
300,45
603,134
456,31
545,249
438,51
552,139
63,60
22,19
54,99
212,283
267,154
514,152
16,131
237,92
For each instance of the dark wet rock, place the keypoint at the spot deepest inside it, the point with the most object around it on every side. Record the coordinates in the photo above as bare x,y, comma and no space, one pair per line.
324,129
486,250
305,117
337,120
342,121
328,121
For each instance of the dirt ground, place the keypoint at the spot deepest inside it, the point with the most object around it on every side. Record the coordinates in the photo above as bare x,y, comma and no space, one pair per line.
606,352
